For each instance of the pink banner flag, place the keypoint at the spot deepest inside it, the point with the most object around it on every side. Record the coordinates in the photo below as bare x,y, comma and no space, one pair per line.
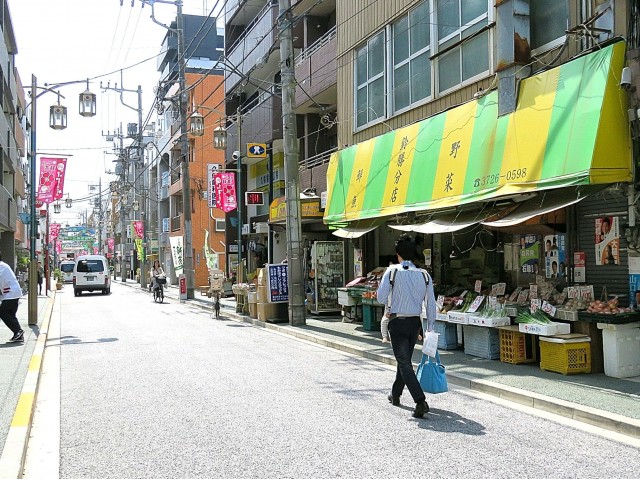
138,228
54,230
225,186
61,167
110,244
58,247
48,179
95,250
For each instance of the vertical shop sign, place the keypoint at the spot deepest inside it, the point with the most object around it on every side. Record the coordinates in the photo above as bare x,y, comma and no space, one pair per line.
278,282
607,240
580,267
634,281
529,254
555,256
177,253
212,169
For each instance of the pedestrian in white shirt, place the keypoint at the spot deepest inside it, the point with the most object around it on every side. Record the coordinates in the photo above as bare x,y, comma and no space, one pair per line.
409,290
11,294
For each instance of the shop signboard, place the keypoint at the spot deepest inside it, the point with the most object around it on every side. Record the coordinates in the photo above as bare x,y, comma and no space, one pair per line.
278,282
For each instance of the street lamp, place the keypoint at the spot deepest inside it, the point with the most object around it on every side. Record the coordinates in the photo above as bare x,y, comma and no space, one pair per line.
87,103
220,138
58,116
56,208
196,124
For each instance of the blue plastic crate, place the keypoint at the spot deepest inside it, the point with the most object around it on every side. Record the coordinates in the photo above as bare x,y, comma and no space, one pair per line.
481,341
448,332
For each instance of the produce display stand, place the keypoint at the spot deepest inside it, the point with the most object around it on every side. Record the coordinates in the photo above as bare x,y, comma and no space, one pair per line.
372,312
448,335
481,341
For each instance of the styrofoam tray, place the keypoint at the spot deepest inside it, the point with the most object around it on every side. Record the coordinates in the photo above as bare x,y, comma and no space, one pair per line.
550,329
489,322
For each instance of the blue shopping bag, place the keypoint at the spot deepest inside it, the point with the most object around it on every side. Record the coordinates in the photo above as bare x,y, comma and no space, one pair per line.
431,375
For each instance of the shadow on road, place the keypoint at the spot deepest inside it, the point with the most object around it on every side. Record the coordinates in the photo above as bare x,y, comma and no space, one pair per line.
73,340
447,421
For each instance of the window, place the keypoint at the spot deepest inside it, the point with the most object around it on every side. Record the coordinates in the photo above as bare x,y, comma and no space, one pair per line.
220,225
411,64
370,84
549,20
90,266
458,20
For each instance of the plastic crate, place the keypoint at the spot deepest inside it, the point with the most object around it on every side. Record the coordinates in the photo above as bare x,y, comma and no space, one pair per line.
448,332
565,357
371,316
517,347
481,342
621,352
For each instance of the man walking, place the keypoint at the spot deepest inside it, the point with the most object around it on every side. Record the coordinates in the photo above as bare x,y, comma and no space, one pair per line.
405,289
11,294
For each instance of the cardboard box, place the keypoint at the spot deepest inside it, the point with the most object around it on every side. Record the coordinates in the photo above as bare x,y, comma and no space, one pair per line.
267,311
263,294
550,329
489,322
458,317
262,277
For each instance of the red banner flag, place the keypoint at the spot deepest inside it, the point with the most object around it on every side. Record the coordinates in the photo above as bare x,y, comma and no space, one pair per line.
61,166
225,186
48,179
110,244
54,230
58,247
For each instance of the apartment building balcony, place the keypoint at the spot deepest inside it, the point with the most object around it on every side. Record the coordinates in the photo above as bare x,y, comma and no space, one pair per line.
262,124
316,74
8,210
169,51
253,45
175,187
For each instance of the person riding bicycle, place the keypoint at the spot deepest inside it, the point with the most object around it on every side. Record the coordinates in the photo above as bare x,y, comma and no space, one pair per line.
156,272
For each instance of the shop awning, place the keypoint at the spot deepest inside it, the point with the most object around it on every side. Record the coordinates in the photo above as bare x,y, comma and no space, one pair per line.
569,128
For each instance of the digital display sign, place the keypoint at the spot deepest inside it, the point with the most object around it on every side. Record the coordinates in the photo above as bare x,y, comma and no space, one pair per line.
254,198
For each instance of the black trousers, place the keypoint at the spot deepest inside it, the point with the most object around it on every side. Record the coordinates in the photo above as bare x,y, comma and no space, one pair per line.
8,309
404,336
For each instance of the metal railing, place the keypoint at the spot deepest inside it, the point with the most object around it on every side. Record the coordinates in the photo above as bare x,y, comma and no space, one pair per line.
317,45
317,160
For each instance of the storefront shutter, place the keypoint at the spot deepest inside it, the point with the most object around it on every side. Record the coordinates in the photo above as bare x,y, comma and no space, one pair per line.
614,277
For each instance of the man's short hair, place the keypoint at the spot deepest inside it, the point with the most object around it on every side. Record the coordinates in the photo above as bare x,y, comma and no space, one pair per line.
406,248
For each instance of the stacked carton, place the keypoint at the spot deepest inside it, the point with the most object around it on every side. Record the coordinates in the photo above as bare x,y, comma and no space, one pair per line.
265,310
351,314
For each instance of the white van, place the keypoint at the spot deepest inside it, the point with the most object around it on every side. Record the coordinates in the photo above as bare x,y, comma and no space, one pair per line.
91,273
66,268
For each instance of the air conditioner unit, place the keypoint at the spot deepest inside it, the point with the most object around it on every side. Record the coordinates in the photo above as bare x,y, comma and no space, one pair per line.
261,227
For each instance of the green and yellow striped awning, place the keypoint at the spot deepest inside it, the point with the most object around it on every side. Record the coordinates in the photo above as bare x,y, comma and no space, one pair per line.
569,128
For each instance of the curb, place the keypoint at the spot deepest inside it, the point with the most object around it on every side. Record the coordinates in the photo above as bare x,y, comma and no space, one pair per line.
595,417
15,449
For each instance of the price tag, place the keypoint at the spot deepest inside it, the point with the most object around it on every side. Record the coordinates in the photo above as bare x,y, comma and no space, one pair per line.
476,304
501,288
536,304
533,291
573,291
478,287
549,309
586,292
522,297
440,301
493,302
515,294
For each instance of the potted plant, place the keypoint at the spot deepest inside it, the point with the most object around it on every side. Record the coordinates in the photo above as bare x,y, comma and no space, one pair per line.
57,274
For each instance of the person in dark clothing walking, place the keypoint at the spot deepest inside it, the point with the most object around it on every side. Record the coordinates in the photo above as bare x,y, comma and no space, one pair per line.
406,290
11,294
40,277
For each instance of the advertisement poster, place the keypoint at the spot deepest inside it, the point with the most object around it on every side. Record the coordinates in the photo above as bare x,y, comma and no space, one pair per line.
278,282
529,254
177,253
555,260
634,290
580,267
607,241
225,188
357,263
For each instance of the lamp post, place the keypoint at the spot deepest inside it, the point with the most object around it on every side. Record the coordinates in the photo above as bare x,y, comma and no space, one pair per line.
57,121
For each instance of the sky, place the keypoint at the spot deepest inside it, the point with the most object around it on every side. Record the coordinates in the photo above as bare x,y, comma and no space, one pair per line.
72,40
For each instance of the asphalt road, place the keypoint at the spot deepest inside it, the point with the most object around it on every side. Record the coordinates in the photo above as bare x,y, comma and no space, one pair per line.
148,390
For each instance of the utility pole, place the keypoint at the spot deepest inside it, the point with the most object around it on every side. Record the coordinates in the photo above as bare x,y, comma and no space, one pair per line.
239,269
184,158
100,249
123,231
292,184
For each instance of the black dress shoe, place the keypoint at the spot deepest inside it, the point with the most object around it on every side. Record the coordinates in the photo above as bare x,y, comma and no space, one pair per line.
421,409
393,400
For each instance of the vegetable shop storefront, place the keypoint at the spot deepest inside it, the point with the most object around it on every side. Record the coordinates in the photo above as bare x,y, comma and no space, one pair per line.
509,203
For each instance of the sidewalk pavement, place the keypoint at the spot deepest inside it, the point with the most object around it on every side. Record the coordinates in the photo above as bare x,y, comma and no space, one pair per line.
603,401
